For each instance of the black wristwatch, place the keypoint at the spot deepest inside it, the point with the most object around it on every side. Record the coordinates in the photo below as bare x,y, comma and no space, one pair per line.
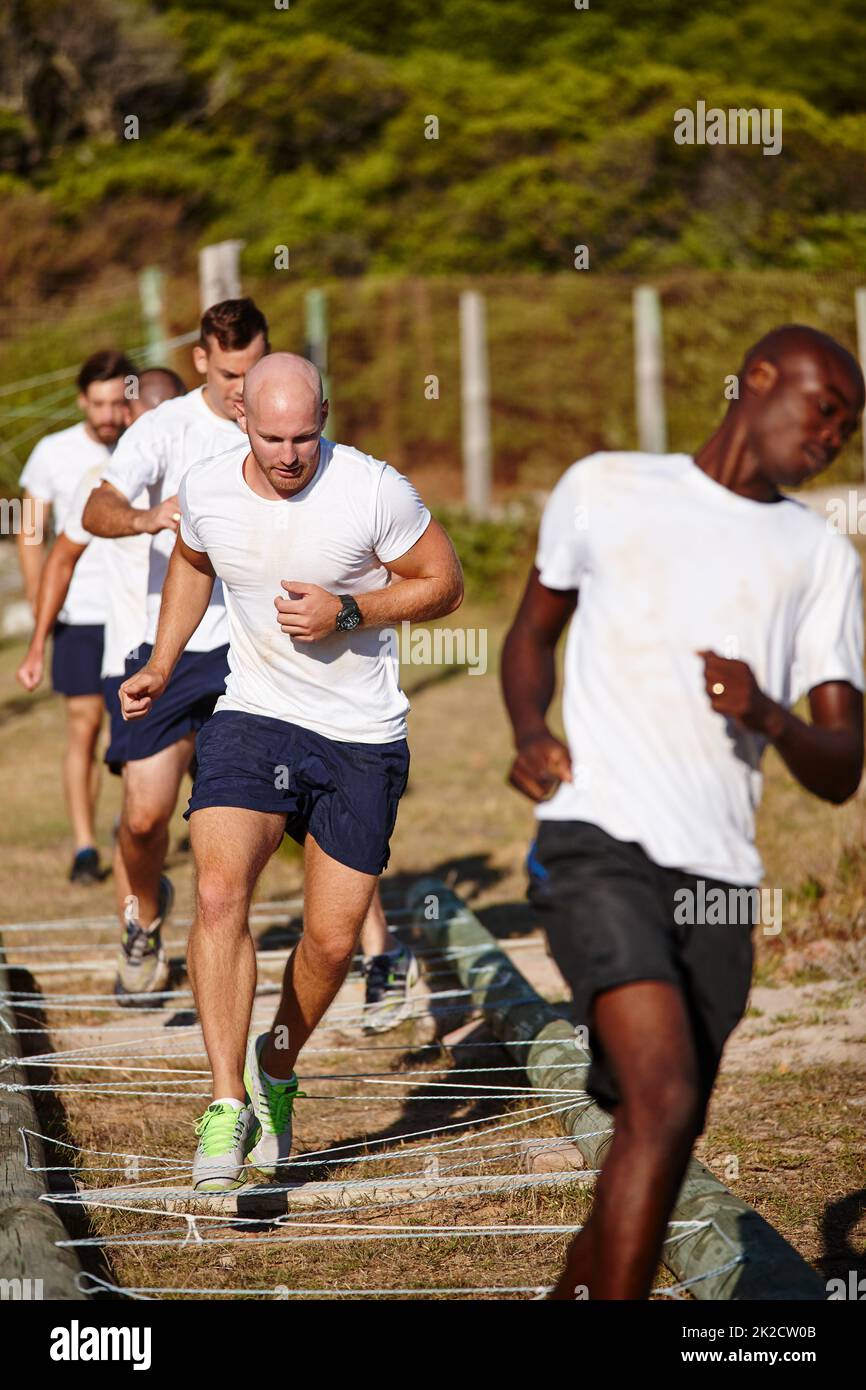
349,616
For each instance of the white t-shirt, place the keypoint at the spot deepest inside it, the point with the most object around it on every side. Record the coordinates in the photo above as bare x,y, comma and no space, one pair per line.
51,474
125,565
668,562
155,453
355,515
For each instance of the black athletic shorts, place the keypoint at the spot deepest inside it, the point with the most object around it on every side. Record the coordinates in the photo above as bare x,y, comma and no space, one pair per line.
615,919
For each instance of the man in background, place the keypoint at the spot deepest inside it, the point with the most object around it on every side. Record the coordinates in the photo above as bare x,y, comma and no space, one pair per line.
49,480
124,568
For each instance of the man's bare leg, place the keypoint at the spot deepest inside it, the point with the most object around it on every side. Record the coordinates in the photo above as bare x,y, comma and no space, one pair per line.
231,846
336,900
375,936
646,1034
150,790
122,890
84,715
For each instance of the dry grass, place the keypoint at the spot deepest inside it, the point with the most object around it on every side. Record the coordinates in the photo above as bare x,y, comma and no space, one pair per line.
795,1129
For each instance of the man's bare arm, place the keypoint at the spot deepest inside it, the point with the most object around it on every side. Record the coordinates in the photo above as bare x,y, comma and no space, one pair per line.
56,578
32,551
185,597
528,685
431,585
109,513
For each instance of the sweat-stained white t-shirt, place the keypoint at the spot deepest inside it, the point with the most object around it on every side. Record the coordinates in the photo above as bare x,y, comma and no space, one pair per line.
52,474
356,514
667,562
154,454
125,564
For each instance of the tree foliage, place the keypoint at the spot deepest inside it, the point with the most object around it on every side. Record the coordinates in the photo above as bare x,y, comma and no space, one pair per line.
311,127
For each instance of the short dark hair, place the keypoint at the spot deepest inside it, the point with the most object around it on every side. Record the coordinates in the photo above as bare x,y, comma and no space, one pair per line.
103,366
234,323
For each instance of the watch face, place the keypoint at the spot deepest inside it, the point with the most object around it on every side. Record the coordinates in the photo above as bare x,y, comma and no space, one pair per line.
349,617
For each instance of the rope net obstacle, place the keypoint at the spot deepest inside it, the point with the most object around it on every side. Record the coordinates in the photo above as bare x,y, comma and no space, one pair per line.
423,1166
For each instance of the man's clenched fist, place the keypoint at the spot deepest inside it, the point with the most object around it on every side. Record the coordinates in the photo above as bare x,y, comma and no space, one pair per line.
139,692
542,762
734,692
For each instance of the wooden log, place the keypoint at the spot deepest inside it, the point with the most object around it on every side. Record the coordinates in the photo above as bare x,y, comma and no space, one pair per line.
31,1265
768,1268
272,1199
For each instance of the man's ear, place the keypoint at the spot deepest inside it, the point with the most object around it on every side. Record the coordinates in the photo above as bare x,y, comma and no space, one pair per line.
82,402
199,357
761,377
326,406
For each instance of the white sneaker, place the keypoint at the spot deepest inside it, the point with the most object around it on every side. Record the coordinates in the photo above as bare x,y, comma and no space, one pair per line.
272,1104
142,967
225,1136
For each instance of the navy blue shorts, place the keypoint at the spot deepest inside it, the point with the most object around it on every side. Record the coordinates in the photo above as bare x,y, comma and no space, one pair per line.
76,658
186,704
345,794
116,752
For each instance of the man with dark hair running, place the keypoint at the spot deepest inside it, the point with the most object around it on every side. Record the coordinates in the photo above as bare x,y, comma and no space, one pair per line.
153,458
49,480
124,568
704,602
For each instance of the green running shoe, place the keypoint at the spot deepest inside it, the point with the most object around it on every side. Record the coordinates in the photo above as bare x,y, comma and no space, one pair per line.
272,1104
225,1137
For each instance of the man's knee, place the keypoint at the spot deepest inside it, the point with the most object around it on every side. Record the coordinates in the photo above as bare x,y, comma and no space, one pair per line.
665,1112
332,953
144,820
220,898
84,722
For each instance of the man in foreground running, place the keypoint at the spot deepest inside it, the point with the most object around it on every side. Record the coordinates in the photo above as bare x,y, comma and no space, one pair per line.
310,736
704,603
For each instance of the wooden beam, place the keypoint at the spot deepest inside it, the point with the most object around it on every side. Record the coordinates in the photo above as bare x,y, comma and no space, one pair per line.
272,1199
649,371
475,394
28,1226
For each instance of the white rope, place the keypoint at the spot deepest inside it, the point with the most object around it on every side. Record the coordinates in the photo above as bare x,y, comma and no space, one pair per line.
68,373
97,1285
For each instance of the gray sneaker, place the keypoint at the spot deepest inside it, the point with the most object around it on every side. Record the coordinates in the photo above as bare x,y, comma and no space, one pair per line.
225,1136
272,1104
142,967
389,979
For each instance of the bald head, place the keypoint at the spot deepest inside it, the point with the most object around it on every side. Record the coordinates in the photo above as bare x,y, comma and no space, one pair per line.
284,414
283,379
794,345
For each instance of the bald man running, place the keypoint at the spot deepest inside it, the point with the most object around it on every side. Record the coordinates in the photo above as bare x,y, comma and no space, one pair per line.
310,736
709,602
